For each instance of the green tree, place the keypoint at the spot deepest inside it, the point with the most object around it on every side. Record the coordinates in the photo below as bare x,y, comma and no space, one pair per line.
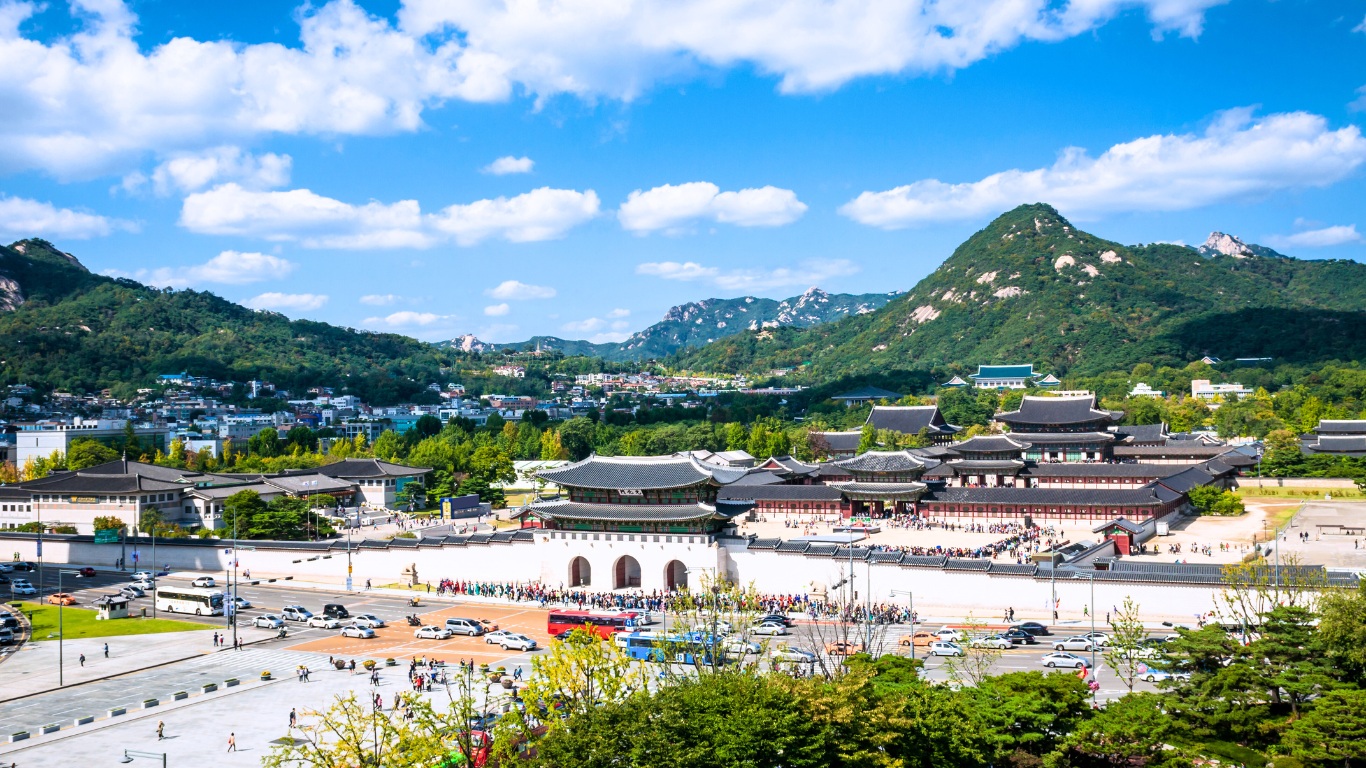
108,523
576,435
1127,633
1026,713
1292,665
388,446
1342,630
1130,730
1333,732
240,511
84,453
265,443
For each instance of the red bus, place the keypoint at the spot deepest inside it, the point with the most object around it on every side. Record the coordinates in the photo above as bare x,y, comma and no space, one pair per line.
604,625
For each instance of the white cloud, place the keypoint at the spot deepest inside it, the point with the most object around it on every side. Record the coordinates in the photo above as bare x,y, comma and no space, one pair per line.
228,267
519,291
609,337
380,299
95,102
620,49
21,217
1318,238
497,310
408,319
673,270
1359,103
619,313
541,214
316,221
670,206
191,172
584,326
1238,156
808,273
598,328
1360,27
297,302
505,165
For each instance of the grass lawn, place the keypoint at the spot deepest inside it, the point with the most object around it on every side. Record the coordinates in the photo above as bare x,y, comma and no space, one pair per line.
81,622
1292,494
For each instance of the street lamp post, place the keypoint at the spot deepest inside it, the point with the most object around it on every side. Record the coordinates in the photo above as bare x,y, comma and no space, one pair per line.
910,599
61,630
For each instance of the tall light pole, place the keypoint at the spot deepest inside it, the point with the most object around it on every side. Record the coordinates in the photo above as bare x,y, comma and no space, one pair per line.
61,634
910,599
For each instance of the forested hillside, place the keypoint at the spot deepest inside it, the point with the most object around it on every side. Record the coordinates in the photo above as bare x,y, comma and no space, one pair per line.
1030,287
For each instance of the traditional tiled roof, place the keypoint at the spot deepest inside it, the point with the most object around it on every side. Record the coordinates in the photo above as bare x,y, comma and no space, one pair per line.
779,493
1183,450
762,477
309,483
640,472
973,465
352,468
80,482
857,490
1341,427
789,465
573,510
910,419
1003,372
1072,469
224,491
956,381
990,444
1063,438
1060,411
841,442
155,472
1144,433
1147,495
1348,444
1120,523
883,461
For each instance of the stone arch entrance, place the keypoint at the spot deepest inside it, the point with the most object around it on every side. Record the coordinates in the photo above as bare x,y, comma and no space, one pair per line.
626,573
580,572
675,575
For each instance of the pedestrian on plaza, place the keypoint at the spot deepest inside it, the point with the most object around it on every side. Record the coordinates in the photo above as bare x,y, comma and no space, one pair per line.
82,659
106,650
367,583
161,730
353,666
397,699
232,742
215,639
293,717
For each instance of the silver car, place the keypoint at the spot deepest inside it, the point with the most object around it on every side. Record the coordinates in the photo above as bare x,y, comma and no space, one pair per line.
268,621
355,631
520,642
1078,643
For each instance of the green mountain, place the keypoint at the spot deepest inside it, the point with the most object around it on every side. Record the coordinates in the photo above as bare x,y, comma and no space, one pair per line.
701,322
1030,287
62,327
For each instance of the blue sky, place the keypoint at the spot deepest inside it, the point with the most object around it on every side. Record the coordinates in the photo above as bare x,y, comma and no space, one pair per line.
495,168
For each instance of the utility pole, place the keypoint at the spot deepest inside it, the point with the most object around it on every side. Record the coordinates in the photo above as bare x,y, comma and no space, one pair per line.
61,633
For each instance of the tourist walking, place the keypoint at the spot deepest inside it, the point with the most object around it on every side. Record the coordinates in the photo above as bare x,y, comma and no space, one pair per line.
106,650
293,717
232,742
161,730
82,659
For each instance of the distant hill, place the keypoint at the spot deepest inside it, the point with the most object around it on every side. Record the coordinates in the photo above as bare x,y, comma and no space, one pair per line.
62,327
702,322
1030,287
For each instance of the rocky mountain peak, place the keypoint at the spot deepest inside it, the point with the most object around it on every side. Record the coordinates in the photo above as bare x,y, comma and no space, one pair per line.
1228,245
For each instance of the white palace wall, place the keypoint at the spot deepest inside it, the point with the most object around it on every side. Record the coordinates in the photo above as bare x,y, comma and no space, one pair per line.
547,559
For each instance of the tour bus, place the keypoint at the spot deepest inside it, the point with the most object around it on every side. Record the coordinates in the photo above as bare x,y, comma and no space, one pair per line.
200,602
603,626
648,646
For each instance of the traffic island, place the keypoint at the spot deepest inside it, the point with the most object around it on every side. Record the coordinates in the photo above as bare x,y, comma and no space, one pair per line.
209,687
20,736
149,703
49,728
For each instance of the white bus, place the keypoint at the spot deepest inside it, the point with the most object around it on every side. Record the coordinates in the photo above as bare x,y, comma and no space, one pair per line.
200,602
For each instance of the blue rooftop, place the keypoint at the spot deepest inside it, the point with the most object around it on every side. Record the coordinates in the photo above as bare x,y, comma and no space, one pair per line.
1003,372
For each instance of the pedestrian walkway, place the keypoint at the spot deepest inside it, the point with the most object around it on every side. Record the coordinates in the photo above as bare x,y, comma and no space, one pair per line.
96,698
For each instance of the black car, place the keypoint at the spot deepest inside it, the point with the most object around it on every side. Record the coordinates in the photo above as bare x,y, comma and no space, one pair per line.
336,611
1019,636
775,618
22,567
1032,627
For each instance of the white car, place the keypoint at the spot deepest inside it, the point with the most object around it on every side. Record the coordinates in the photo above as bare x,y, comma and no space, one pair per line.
355,631
432,632
992,641
296,613
1099,638
742,647
21,587
794,655
1154,675
131,592
1059,659
770,629
204,582
268,621
520,642
145,585
369,620
324,622
951,635
495,637
941,648
141,576
1078,643
6,568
